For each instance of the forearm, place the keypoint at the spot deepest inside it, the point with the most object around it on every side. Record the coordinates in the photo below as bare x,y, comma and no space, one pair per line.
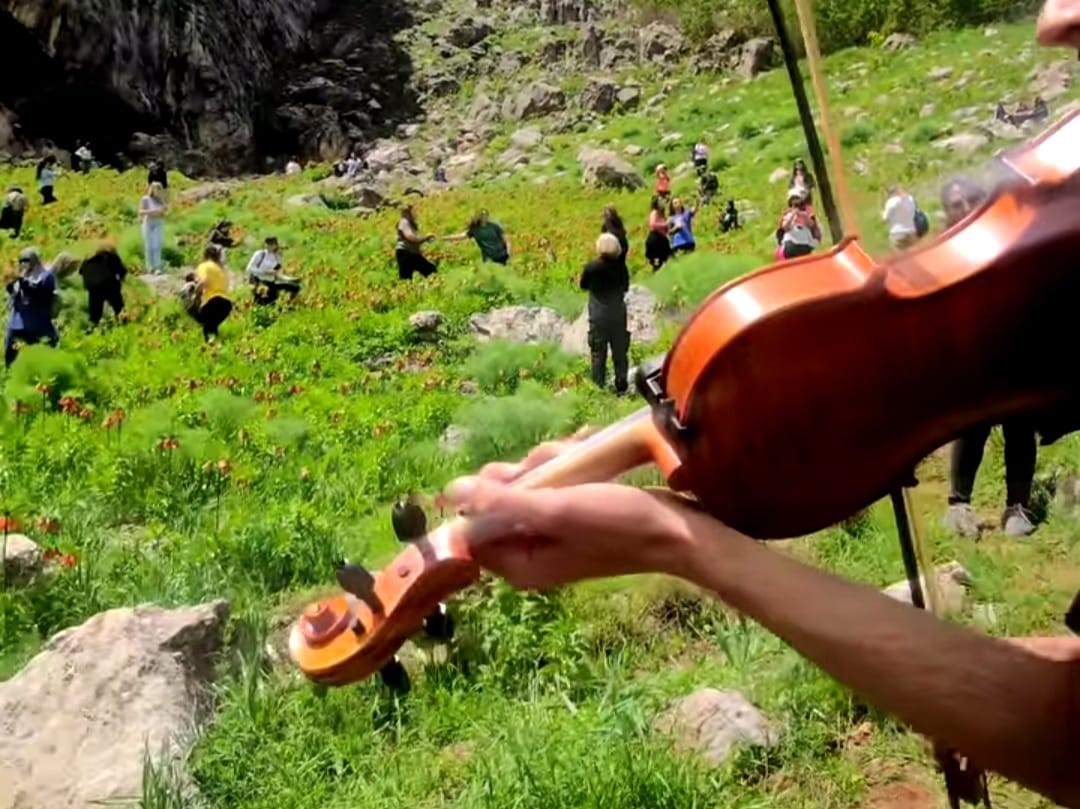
1009,710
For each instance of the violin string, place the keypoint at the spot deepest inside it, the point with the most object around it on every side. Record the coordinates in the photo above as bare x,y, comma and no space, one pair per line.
813,59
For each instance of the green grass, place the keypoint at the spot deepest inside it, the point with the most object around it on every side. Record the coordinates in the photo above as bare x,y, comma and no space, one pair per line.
328,410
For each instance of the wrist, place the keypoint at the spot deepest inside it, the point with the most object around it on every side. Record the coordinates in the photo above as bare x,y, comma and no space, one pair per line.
694,543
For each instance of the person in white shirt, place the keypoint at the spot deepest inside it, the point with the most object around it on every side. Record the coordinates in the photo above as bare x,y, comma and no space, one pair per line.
899,215
264,273
700,155
293,167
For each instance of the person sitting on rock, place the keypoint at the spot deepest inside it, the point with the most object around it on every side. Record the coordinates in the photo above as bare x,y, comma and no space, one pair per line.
13,211
613,224
103,276
657,243
212,286
798,232
33,297
663,183
730,220
681,227
264,273
607,281
407,251
489,237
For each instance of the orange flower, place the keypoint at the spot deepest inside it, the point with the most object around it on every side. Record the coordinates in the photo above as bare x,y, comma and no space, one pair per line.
48,525
9,524
43,388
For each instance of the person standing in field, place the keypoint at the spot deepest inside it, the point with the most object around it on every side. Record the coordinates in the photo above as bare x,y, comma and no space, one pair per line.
663,183
657,244
899,214
13,211
613,224
489,236
152,209
32,295
103,277
798,232
607,281
802,181
681,228
212,288
157,174
46,179
407,251
700,155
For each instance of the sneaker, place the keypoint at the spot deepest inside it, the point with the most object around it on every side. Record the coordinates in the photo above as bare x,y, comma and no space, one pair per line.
1017,522
960,519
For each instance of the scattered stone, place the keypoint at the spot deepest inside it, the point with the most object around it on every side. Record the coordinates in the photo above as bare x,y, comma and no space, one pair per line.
454,439
893,149
671,138
407,131
202,193
628,98
952,583
1051,81
642,311
928,110
755,56
22,561
712,723
599,95
990,32
1003,130
305,201
426,324
519,324
534,101
527,138
939,73
605,169
76,723
966,143
779,175
633,150
899,42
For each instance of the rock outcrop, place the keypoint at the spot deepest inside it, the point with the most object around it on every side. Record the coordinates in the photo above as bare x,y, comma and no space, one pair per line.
76,723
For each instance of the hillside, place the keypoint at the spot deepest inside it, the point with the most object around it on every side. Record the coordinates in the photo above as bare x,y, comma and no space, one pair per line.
328,409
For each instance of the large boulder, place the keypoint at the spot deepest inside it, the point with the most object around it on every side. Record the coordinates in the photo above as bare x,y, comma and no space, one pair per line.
468,32
661,42
536,100
76,723
952,581
207,191
899,42
519,324
387,156
642,312
712,724
964,143
628,98
1052,80
22,561
599,95
755,56
526,139
561,12
602,168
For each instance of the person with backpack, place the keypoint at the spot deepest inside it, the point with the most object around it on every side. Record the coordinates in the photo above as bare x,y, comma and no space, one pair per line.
489,236
681,228
798,232
708,186
901,214
103,276
33,298
264,273
607,281
13,211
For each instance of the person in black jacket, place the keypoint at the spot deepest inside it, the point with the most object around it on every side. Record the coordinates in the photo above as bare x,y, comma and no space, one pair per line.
613,224
607,281
158,174
103,276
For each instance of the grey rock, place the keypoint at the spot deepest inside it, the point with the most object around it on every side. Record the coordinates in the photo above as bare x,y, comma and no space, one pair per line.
441,84
519,324
387,156
899,42
561,12
939,73
208,191
893,149
76,722
22,560
628,98
510,63
468,32
714,723
599,95
756,56
661,42
604,169
534,101
305,201
453,440
633,150
527,139
928,110
425,325
965,143
952,583
1052,80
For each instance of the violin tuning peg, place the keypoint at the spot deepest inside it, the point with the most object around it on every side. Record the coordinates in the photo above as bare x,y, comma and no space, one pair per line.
409,520
356,580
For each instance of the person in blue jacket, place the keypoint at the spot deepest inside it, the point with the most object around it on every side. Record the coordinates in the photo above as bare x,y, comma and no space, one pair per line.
31,299
681,227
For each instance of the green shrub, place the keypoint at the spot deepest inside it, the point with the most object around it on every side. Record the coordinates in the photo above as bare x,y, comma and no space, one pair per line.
501,367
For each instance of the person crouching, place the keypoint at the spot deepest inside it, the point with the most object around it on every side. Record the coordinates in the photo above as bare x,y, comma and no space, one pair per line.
103,276
607,280
264,273
212,286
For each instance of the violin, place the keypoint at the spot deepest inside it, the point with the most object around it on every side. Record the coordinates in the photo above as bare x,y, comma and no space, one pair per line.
801,393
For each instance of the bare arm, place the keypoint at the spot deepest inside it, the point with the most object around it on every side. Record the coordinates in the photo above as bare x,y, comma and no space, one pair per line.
998,702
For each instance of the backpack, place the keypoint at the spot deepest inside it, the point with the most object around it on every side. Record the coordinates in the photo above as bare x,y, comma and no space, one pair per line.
922,222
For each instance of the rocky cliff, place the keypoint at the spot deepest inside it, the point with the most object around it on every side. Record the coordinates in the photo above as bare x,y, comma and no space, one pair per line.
221,84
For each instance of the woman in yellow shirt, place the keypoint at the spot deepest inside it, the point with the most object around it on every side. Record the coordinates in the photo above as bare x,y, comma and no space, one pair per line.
212,286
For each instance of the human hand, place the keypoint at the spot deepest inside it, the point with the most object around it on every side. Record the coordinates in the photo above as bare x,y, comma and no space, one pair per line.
542,538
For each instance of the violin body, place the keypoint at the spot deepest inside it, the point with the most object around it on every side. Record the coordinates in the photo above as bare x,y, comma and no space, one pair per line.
804,392
799,394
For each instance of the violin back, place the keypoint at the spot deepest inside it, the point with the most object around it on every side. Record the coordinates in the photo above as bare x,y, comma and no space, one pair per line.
808,390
